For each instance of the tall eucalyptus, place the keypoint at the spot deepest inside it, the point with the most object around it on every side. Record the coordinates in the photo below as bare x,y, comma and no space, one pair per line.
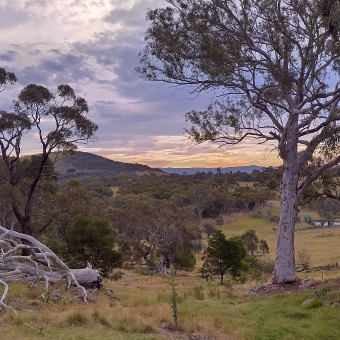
274,65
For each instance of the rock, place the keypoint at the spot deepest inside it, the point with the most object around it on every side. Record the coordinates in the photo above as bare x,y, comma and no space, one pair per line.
307,302
109,292
308,283
55,295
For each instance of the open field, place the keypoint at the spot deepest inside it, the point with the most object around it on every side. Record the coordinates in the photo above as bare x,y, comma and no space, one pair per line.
139,309
139,306
321,243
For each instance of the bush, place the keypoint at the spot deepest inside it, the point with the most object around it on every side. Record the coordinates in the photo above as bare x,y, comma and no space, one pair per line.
308,219
274,218
185,260
91,240
223,257
220,220
257,214
208,228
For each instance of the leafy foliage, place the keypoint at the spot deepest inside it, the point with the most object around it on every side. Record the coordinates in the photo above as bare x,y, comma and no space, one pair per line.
67,126
222,257
91,240
327,208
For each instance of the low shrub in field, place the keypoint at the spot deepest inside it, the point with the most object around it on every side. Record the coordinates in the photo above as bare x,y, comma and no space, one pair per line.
198,292
308,219
77,318
257,214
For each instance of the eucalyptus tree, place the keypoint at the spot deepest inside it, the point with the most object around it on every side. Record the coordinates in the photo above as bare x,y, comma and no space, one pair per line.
274,66
6,78
58,123
327,208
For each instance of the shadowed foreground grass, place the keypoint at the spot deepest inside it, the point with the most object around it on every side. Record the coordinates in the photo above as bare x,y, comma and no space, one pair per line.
139,309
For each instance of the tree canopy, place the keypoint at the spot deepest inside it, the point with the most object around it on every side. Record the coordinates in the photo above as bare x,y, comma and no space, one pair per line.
6,78
223,257
59,122
273,66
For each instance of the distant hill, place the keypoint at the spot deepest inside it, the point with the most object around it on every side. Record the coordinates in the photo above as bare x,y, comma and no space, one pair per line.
191,171
83,164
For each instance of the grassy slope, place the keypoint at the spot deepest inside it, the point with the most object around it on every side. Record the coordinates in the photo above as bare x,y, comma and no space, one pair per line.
141,303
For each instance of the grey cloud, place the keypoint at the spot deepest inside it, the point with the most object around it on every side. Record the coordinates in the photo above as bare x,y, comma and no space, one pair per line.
52,66
105,60
133,17
34,52
11,18
116,123
120,59
56,51
66,68
8,56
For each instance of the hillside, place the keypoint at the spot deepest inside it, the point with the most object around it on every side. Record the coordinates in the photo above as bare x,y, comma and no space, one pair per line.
83,164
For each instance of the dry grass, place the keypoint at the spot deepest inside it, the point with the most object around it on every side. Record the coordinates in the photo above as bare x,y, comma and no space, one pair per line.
114,190
139,309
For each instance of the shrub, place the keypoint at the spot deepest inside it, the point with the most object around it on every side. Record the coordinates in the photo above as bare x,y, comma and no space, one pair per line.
274,218
208,228
257,214
308,219
185,260
91,240
220,220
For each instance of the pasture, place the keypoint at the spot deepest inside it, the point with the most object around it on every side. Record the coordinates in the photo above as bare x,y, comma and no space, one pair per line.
138,305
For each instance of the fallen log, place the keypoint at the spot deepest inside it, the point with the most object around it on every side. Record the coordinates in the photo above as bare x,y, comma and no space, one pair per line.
41,265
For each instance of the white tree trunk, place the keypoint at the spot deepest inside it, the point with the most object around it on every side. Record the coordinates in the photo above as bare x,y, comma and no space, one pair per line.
284,270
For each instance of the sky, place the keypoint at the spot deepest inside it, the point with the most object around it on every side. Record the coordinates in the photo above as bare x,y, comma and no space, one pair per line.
93,46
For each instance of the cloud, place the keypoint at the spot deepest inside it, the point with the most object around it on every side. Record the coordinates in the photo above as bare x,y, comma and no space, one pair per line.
64,68
11,18
93,46
132,17
8,56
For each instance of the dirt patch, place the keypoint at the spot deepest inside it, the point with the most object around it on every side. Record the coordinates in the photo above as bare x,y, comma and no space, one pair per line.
298,286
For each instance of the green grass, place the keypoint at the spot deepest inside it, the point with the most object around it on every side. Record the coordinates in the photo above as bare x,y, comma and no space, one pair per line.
138,312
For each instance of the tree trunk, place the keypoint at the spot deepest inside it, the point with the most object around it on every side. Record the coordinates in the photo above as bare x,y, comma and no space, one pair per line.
284,270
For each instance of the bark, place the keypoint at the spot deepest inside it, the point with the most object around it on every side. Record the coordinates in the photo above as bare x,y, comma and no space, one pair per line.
284,270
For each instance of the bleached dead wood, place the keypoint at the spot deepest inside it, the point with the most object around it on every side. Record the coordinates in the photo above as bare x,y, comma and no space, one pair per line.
41,265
